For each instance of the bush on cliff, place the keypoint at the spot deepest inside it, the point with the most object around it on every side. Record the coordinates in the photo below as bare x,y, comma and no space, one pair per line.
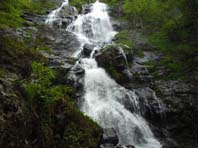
61,123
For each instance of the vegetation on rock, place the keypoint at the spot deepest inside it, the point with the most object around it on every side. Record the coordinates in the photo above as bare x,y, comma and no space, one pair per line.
61,123
12,11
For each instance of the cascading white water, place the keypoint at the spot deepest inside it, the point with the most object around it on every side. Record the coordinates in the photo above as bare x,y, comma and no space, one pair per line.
103,96
104,99
93,28
53,15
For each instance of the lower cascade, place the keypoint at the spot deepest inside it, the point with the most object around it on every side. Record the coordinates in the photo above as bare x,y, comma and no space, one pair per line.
104,99
103,102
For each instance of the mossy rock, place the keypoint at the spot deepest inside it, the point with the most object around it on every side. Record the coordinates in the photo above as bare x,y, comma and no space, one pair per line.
116,59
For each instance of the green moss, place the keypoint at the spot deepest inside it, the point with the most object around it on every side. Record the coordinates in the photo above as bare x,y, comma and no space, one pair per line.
139,53
113,72
10,13
2,72
41,6
16,56
123,38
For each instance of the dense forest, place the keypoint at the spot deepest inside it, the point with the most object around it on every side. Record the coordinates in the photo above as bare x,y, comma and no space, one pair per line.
39,101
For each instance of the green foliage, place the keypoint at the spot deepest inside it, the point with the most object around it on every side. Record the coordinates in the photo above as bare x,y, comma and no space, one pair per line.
11,11
41,6
142,12
123,38
179,58
48,101
113,72
139,52
16,56
40,87
161,41
81,132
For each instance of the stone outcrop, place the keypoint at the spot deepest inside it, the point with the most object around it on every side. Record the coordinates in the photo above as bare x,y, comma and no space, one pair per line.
87,49
116,59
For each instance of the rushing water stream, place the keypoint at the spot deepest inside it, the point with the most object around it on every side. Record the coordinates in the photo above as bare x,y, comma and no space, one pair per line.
53,15
103,98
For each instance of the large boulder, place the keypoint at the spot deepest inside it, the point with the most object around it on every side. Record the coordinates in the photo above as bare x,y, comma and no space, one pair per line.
87,49
116,59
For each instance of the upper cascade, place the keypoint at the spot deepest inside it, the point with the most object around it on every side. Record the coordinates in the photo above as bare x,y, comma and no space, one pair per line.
54,14
94,27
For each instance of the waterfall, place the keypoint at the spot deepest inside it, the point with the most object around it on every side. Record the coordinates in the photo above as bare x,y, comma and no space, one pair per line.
93,28
104,99
53,16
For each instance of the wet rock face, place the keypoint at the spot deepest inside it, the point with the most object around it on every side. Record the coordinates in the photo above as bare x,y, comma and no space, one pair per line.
87,49
66,43
181,115
68,11
61,42
174,87
75,78
65,17
110,138
86,8
151,106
